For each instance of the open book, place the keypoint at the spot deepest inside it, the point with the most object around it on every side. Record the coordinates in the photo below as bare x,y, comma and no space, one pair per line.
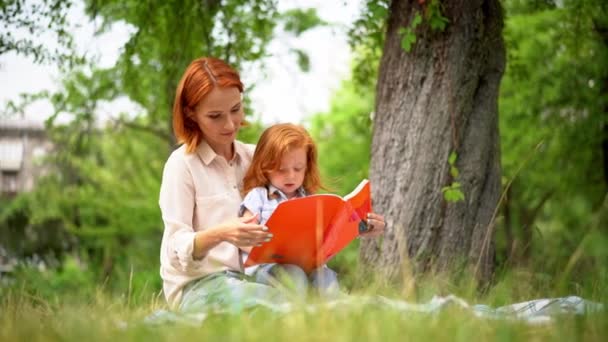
309,231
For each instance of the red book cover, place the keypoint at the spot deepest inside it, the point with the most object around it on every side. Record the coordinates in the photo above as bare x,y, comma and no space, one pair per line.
309,231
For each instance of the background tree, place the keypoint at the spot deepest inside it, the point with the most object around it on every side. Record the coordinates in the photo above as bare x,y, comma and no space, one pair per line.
439,98
553,118
99,202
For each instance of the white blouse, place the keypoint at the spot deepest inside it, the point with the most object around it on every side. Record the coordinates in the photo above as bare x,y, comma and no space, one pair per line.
198,190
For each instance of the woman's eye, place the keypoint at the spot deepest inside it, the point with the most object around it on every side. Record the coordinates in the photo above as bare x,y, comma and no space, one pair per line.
213,117
236,110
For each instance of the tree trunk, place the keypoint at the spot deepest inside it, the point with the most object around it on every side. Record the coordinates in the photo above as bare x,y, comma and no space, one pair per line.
438,98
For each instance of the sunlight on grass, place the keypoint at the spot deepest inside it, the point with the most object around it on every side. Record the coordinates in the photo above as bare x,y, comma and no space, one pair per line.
24,316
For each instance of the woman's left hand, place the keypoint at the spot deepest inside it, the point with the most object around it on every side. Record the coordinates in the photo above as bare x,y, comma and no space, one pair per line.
376,224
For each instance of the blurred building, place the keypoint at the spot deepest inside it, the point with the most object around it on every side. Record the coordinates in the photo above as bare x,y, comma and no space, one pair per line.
22,143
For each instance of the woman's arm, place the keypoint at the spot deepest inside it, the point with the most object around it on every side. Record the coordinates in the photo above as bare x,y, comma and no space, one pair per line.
244,233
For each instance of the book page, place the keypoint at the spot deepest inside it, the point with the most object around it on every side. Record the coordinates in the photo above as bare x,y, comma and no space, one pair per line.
357,190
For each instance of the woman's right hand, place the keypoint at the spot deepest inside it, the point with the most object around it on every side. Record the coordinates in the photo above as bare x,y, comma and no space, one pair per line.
244,232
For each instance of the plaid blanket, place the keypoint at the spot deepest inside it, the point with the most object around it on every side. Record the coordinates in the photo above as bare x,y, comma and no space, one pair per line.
227,294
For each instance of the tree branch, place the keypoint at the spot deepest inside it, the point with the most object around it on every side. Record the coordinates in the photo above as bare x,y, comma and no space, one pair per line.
162,134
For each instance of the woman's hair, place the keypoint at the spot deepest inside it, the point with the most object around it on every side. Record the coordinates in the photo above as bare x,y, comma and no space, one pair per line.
199,79
273,144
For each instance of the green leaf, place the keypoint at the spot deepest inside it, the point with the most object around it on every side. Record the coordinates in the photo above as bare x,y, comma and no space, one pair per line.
452,158
417,20
303,59
407,40
438,23
454,172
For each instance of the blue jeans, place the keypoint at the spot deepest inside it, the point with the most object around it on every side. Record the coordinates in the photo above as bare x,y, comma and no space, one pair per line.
323,279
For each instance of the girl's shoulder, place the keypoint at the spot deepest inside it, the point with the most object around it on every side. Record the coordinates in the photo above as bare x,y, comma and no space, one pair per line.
260,192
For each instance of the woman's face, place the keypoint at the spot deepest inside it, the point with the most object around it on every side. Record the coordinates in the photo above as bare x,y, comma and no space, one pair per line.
219,116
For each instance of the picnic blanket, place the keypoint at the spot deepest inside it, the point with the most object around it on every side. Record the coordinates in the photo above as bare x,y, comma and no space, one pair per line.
225,294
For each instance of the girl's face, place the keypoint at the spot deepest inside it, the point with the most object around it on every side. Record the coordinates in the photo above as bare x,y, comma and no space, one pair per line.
219,116
290,175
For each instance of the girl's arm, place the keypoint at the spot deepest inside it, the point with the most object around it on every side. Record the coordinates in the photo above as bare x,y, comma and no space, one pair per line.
252,205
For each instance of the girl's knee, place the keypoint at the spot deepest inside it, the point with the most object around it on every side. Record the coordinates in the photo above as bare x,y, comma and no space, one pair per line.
293,271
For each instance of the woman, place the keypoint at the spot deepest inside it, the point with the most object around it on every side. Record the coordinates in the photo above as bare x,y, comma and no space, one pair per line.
201,192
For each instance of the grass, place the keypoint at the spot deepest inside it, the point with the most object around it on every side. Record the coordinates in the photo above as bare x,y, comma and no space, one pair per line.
99,316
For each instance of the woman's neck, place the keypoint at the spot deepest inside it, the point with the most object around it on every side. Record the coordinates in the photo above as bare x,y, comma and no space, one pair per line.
226,151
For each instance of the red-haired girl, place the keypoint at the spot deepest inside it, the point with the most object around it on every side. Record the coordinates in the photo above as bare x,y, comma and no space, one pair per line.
284,166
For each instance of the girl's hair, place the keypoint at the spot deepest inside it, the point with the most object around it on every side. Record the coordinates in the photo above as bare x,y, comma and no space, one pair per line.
199,79
274,142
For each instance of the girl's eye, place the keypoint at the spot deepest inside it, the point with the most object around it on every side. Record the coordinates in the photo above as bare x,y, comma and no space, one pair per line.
297,169
236,110
213,117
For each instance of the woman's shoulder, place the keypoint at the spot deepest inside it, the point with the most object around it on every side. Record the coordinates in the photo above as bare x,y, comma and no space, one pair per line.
179,158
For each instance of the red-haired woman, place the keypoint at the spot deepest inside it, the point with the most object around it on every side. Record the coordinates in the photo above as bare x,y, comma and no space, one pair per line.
200,195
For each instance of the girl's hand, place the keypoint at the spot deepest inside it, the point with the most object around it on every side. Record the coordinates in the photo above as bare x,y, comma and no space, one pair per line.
244,232
376,225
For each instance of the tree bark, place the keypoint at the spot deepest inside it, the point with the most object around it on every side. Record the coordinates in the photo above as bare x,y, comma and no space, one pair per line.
438,98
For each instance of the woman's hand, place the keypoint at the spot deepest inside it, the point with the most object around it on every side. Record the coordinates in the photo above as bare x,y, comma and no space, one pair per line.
244,232
241,232
376,224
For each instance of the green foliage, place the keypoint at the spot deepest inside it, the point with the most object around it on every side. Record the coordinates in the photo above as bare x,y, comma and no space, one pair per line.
453,192
366,38
299,20
433,14
552,93
343,137
303,59
408,35
24,21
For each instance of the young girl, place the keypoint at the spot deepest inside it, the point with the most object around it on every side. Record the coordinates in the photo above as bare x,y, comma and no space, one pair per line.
284,166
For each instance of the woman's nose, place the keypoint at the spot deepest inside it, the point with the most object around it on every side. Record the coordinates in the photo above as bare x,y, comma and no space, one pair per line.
229,124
